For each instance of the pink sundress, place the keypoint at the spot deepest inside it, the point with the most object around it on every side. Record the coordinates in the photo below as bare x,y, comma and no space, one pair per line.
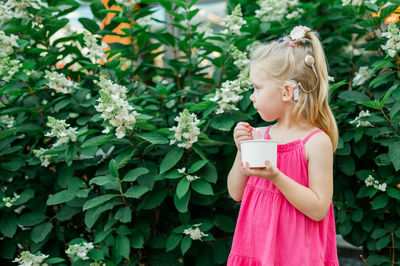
270,231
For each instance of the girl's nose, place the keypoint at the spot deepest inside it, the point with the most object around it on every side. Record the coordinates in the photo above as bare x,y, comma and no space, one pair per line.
252,98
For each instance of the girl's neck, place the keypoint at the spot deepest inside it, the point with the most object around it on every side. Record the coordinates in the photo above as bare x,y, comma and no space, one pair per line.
287,132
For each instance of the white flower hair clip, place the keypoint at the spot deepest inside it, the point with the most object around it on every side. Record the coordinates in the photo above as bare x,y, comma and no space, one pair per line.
297,33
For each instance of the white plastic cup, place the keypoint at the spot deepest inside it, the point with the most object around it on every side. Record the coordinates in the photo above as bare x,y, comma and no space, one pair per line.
256,152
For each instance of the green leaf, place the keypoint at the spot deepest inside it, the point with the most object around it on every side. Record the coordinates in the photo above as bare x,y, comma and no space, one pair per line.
62,196
354,96
346,164
209,173
8,224
183,187
182,204
201,106
154,138
54,260
101,180
70,154
185,244
153,199
394,154
222,123
173,241
137,239
113,167
26,195
123,246
224,222
97,141
202,187
96,254
97,201
358,215
124,215
197,166
100,235
380,202
383,242
380,80
172,157
89,24
376,259
132,175
40,232
4,133
394,110
393,193
387,94
372,104
31,218
136,191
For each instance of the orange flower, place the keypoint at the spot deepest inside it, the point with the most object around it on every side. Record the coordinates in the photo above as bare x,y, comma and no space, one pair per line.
394,17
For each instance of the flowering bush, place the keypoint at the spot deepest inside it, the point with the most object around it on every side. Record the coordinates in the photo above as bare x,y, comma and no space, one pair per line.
108,158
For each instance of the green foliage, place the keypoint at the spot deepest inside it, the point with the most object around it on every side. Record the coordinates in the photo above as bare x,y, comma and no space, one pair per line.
132,193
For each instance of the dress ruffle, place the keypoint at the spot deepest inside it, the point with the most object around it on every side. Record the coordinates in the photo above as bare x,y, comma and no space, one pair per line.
237,260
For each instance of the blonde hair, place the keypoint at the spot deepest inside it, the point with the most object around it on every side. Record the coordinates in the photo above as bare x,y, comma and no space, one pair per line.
282,62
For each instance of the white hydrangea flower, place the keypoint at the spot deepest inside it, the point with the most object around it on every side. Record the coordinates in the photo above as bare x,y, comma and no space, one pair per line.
17,9
9,201
144,21
195,234
205,28
363,74
392,35
361,122
8,67
272,10
59,82
129,5
8,121
298,32
182,170
192,178
6,14
80,250
351,50
61,130
370,181
356,2
114,107
229,95
45,159
97,263
29,259
7,43
233,22
94,51
295,14
241,59
187,131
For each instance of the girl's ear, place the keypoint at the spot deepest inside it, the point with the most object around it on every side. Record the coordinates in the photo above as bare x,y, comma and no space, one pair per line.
287,92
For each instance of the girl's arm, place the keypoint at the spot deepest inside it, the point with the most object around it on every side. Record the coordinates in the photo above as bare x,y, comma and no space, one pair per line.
236,180
313,201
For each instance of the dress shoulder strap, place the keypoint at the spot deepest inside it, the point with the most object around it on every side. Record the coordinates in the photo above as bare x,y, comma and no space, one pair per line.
266,136
312,134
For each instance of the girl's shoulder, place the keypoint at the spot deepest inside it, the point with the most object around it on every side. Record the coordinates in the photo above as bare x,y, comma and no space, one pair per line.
319,144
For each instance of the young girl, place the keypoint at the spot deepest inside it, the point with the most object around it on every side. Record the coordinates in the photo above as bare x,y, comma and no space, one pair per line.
286,215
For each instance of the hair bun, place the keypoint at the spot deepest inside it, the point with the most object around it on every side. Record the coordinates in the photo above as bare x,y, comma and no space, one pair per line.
309,60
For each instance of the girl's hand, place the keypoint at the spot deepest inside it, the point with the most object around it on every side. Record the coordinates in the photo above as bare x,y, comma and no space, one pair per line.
269,172
242,132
